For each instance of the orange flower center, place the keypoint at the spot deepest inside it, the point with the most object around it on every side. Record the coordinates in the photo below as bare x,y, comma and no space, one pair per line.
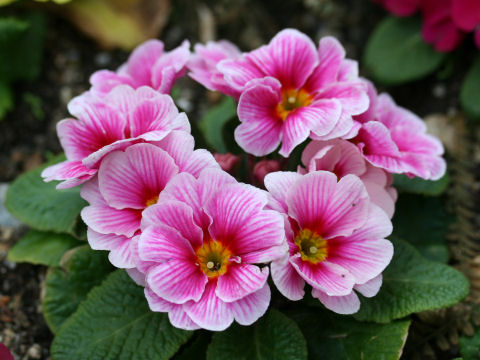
151,201
292,99
213,258
312,247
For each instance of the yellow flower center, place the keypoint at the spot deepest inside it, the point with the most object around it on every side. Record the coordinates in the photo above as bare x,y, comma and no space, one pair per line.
151,201
213,258
312,246
292,99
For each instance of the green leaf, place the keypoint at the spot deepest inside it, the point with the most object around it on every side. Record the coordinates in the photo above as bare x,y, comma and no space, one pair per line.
6,99
274,336
419,186
423,222
41,206
44,248
470,346
21,47
213,122
469,94
412,284
115,323
396,52
333,336
66,287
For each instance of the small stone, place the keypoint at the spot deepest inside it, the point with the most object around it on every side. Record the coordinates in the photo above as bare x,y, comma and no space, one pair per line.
34,352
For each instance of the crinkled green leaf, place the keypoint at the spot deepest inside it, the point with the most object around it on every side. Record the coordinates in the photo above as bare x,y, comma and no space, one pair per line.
115,323
396,52
213,122
41,206
470,346
332,336
469,95
423,222
21,47
45,248
67,286
412,284
274,336
419,186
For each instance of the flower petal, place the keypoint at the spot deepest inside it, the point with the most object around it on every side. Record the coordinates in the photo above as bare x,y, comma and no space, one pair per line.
345,305
105,219
134,177
210,312
239,281
371,287
287,280
177,281
250,308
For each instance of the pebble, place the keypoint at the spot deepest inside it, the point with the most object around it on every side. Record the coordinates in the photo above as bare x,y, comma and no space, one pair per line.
34,352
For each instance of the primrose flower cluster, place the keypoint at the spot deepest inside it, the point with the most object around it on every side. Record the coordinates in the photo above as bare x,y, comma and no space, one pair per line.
201,243
445,22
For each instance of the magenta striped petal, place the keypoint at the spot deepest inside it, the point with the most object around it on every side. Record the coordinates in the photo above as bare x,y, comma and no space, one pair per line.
119,246
287,280
169,67
162,243
278,183
210,312
250,308
345,305
177,281
105,219
325,276
142,60
178,216
371,287
331,54
132,178
67,170
260,130
289,57
239,281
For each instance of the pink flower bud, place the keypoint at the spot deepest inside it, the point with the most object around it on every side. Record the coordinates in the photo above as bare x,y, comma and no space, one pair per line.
226,161
263,167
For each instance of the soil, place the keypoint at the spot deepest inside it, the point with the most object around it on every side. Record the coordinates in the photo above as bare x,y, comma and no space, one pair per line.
27,134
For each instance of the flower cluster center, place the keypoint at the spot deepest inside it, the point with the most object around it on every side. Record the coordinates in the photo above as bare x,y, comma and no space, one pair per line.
213,258
292,99
312,247
151,201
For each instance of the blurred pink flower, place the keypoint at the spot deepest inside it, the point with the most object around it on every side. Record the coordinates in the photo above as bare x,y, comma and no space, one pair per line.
342,158
226,161
148,65
204,61
264,167
5,354
200,248
123,117
335,237
130,181
400,7
291,91
395,139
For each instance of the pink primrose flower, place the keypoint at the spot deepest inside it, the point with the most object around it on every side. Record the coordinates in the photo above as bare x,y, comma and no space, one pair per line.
438,27
204,61
148,65
393,138
342,158
400,7
200,248
335,236
130,181
103,124
291,91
